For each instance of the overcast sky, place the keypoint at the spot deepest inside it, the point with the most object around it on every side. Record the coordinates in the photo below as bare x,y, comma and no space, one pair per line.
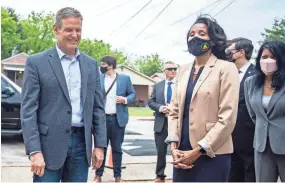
243,18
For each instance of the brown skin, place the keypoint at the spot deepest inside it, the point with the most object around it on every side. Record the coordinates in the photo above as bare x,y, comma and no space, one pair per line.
200,30
185,159
68,36
267,90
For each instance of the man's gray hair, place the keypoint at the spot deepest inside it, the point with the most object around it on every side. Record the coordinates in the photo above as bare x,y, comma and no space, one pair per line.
66,12
169,62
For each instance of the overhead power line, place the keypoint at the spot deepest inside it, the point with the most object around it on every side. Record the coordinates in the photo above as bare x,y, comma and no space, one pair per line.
209,12
177,43
153,19
118,6
225,8
132,17
156,5
178,21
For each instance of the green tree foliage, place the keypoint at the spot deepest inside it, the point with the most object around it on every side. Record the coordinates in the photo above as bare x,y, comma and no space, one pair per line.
149,64
277,32
98,49
35,34
9,36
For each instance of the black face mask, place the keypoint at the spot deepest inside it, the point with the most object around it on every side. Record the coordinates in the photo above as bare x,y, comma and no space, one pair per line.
198,46
231,57
103,69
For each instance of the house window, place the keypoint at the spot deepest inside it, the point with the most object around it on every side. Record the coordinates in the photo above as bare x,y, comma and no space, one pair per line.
11,75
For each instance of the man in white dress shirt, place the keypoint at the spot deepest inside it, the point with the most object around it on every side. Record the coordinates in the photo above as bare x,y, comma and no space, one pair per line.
242,167
159,100
118,92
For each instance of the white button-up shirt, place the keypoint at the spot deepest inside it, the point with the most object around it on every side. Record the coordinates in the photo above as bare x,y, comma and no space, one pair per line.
243,70
165,88
72,75
165,91
111,99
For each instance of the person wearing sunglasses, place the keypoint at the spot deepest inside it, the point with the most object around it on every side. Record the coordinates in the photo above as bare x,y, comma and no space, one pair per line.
203,109
265,99
159,101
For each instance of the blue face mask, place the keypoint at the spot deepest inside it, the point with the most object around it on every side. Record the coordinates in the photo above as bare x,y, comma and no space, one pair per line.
198,46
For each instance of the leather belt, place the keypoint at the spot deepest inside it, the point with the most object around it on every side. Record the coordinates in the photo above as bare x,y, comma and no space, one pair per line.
113,114
75,129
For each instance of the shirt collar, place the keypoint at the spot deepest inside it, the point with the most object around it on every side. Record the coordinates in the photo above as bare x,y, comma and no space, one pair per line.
113,76
244,68
167,81
61,54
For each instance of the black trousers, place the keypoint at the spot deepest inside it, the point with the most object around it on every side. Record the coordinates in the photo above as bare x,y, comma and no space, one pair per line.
242,167
161,148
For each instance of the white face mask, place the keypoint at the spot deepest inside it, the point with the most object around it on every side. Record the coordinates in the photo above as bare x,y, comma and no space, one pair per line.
268,66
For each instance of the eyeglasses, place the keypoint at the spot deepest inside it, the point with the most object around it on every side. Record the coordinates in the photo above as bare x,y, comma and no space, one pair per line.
171,69
229,51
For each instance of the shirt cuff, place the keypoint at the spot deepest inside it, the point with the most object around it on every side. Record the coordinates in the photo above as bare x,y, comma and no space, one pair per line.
204,145
126,100
161,108
34,152
170,139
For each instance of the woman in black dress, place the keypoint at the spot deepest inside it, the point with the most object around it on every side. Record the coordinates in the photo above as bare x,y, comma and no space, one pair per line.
204,108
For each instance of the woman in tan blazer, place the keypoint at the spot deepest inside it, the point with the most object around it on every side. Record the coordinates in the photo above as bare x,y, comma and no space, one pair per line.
204,108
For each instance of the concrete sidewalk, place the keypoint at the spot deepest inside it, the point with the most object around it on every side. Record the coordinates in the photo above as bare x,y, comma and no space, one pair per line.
138,168
142,118
132,172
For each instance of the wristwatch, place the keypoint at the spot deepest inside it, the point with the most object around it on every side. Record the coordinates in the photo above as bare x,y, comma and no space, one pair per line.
202,151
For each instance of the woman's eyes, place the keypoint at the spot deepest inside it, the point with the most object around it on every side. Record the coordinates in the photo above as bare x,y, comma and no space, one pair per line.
200,34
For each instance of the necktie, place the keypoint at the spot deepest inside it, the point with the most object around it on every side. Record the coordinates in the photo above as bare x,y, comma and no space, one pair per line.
169,92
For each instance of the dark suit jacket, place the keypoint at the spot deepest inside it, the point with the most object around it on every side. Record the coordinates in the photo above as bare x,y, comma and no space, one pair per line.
125,89
46,108
244,130
157,100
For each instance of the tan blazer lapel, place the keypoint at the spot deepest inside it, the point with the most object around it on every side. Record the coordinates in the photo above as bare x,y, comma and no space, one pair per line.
185,75
205,73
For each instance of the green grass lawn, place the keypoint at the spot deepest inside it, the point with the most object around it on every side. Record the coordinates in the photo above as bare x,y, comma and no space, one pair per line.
140,111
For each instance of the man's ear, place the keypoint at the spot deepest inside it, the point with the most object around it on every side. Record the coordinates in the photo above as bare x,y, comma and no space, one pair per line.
243,52
55,29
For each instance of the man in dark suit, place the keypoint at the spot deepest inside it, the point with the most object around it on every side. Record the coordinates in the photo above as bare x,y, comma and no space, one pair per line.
242,167
159,100
118,93
62,107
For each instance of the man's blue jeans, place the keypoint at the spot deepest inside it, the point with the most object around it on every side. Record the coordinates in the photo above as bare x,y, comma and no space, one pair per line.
115,134
75,168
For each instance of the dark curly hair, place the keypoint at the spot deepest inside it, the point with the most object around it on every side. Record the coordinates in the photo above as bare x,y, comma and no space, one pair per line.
217,36
277,48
